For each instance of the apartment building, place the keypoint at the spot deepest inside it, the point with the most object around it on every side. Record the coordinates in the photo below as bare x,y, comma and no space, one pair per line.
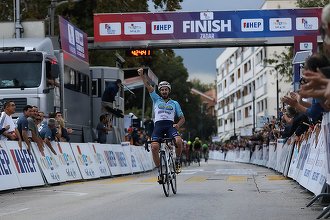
248,89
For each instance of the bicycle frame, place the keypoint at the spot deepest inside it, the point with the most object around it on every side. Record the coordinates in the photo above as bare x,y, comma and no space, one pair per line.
167,166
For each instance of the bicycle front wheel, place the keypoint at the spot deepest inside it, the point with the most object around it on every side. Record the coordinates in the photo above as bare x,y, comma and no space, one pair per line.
172,175
164,174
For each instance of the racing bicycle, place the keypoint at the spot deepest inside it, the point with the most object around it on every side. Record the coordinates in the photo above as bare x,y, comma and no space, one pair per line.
167,170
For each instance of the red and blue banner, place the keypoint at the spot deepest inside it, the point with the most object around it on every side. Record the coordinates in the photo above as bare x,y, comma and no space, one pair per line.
126,28
73,40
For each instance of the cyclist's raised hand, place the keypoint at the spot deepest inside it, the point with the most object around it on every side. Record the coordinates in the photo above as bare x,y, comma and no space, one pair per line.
140,71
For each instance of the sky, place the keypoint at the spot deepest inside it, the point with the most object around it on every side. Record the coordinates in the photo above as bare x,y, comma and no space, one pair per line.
201,63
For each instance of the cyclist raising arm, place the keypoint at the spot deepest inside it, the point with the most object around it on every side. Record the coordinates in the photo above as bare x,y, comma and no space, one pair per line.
165,110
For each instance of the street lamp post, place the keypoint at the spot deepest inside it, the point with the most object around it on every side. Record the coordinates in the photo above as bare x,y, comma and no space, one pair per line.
234,118
51,12
277,99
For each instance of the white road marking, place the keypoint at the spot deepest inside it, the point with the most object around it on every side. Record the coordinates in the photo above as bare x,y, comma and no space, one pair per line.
236,172
13,212
66,192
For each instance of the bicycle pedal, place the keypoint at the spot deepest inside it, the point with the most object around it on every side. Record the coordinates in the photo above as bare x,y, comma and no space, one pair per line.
160,180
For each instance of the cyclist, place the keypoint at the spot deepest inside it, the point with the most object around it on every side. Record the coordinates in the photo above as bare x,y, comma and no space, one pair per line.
165,110
197,145
189,152
205,149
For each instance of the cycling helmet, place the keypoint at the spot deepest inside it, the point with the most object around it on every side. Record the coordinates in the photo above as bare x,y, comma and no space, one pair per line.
189,142
164,84
196,139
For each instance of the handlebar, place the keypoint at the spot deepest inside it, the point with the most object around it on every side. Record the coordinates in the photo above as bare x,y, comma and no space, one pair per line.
160,141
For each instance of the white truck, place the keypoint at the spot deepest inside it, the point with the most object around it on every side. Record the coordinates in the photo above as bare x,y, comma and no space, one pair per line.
27,65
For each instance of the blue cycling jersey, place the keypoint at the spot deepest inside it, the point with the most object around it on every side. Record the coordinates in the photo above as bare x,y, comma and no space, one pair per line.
165,110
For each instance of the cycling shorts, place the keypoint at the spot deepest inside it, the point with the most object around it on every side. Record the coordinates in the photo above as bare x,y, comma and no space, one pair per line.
162,129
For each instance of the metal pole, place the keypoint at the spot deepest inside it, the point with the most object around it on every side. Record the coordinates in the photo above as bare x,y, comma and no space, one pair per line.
254,116
143,102
52,17
18,25
277,98
234,122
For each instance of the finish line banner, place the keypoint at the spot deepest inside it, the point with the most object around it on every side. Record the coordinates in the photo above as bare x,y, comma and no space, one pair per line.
129,29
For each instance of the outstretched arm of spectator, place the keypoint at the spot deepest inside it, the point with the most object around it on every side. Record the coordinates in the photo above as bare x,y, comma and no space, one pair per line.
49,144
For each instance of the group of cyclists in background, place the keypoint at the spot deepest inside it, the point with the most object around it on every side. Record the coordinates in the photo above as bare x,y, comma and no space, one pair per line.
194,152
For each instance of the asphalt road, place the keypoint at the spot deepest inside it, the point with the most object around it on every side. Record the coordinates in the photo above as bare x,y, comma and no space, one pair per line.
215,190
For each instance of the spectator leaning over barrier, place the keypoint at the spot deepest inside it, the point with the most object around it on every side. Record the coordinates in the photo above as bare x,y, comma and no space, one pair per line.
34,133
23,125
299,122
318,82
315,109
6,119
48,135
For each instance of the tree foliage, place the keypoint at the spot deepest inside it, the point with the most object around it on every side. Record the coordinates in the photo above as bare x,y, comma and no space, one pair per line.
312,3
197,84
283,63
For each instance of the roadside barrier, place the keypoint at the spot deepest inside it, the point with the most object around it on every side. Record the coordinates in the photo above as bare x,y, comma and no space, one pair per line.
305,161
74,161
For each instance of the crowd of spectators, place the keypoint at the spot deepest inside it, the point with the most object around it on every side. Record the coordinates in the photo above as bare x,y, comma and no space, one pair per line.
31,126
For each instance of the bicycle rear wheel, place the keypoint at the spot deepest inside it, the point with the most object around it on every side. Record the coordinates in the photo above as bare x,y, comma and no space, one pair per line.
164,174
173,175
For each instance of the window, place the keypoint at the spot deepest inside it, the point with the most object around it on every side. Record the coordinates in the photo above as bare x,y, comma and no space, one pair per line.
239,73
259,57
96,87
239,115
76,81
247,66
232,58
232,78
246,112
220,122
225,83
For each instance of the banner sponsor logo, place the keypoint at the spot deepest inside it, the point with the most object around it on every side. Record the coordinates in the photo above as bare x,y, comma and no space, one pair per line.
110,156
134,28
162,27
280,24
307,23
110,29
4,163
121,158
206,15
306,46
24,162
252,25
133,161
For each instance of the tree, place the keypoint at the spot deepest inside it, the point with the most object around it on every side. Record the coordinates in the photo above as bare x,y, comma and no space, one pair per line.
197,84
283,63
312,3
